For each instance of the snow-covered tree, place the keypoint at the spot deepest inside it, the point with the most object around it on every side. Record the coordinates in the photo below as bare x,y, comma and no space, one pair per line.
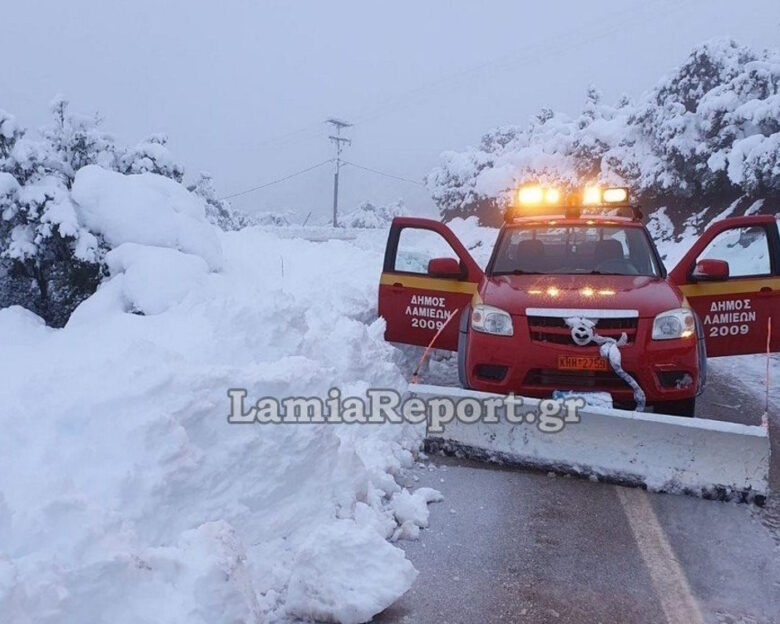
218,211
369,215
153,156
706,135
453,185
74,141
10,133
49,261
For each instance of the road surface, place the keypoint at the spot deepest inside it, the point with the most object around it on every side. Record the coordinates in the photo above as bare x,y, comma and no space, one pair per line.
512,546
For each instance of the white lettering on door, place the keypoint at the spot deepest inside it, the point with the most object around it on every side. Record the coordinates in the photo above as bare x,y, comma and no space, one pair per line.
729,317
427,311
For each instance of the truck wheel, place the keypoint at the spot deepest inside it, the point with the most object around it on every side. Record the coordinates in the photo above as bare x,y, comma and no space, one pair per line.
683,407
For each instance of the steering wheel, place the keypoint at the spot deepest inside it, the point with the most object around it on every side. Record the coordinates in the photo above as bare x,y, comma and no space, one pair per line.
617,265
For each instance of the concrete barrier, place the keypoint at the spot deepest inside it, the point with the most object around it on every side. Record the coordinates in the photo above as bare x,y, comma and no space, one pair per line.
706,458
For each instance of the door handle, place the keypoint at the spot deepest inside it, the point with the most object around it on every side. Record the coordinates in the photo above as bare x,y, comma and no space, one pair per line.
765,289
397,287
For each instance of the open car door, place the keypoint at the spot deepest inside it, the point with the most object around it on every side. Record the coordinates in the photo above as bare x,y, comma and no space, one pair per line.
427,280
731,278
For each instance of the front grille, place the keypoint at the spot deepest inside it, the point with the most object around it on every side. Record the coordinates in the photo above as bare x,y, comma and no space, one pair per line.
554,329
575,380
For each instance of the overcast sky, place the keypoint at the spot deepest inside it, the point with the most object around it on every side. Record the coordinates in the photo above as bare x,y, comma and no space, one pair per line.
242,87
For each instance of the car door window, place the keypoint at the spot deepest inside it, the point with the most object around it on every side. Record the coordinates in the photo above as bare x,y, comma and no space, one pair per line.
746,249
416,247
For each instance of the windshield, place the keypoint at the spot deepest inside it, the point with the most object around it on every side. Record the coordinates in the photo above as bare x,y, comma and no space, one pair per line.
603,249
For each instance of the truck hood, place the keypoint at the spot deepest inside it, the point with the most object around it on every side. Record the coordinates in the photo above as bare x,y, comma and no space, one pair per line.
515,293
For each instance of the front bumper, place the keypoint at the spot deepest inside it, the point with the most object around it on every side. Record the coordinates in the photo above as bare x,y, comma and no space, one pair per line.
667,370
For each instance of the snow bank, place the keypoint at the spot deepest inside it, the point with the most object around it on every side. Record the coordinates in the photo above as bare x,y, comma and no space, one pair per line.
155,278
125,495
148,209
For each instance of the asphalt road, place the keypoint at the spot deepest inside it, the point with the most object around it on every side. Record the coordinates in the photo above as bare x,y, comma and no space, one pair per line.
514,546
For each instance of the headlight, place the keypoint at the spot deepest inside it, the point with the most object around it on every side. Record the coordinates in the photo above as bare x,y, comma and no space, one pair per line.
491,320
677,323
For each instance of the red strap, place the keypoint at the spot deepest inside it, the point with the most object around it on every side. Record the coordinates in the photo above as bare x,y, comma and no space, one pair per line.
430,345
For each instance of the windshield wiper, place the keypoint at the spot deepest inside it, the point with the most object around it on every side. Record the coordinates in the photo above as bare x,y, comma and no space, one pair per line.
517,272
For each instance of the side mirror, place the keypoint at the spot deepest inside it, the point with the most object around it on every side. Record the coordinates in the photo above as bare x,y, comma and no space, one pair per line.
711,270
444,267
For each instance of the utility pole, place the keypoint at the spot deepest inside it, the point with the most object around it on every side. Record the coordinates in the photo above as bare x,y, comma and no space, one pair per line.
339,142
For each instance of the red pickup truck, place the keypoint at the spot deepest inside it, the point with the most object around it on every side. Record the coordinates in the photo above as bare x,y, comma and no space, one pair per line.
563,278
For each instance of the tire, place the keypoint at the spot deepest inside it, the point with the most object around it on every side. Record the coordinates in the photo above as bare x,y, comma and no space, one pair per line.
683,407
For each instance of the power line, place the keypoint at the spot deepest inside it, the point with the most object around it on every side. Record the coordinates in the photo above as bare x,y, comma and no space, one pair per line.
382,173
272,182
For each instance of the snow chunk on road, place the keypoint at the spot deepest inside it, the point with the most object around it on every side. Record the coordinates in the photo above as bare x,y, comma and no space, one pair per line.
411,510
147,209
347,573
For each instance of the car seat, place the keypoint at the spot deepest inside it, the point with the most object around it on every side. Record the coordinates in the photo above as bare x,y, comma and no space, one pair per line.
608,249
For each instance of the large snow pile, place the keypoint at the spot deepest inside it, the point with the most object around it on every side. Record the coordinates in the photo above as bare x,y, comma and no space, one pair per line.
126,496
705,135
153,210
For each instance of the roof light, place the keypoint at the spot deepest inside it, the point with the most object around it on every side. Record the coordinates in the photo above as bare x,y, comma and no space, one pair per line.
616,195
591,196
530,195
552,196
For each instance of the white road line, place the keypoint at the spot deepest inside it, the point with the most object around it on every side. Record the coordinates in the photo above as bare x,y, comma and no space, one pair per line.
671,584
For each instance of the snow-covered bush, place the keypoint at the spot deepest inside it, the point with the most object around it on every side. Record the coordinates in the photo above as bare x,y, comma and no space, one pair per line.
368,215
151,156
52,253
705,136
49,262
273,219
74,141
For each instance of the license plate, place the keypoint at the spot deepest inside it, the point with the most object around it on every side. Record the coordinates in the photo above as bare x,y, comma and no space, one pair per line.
582,362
